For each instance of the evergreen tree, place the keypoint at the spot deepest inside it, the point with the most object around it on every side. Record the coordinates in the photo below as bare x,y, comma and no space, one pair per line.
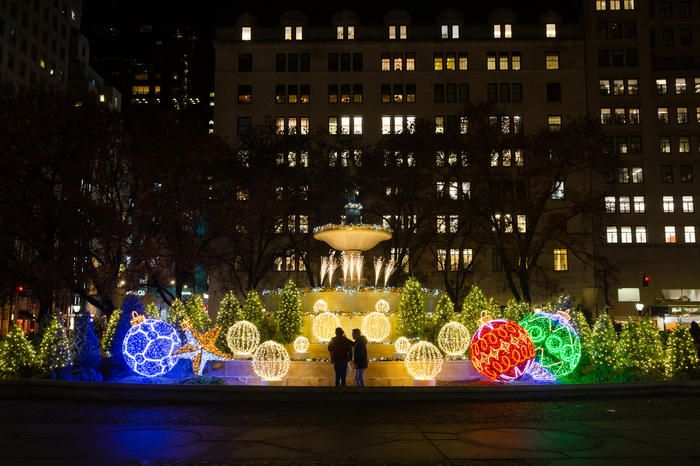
152,311
17,355
289,313
516,310
474,304
444,311
639,349
253,309
54,349
86,349
196,313
130,305
412,312
177,313
603,342
681,355
108,335
580,323
229,310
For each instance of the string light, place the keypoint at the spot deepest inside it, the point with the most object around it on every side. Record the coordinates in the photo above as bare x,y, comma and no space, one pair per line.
148,346
453,339
557,345
320,306
382,306
376,327
402,345
271,361
324,326
301,344
242,338
501,350
423,361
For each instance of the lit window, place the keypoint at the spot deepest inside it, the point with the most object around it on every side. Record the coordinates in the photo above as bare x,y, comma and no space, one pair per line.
403,31
554,123
624,204
639,204
491,61
614,4
522,223
610,204
551,30
558,190
605,116
507,31
445,31
683,144
689,233
246,33
662,113
611,235
102,97
626,235
601,5
552,60
439,125
640,233
441,258
496,31
139,90
681,87
463,62
637,175
668,205
661,87
682,115
688,205
561,260
293,32
287,33
670,234
386,124
351,33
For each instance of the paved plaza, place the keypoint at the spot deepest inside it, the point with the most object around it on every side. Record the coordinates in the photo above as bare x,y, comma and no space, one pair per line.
638,431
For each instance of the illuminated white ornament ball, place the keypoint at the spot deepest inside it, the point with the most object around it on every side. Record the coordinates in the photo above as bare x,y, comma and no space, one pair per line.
320,306
382,306
402,345
324,326
271,361
301,344
376,327
453,339
423,361
242,338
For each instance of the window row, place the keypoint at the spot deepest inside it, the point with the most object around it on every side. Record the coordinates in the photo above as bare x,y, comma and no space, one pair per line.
459,259
679,86
345,62
637,204
681,118
290,262
619,87
685,172
345,93
623,145
450,61
683,144
451,93
617,57
602,5
398,93
451,124
619,116
348,124
292,224
504,92
453,189
617,30
638,234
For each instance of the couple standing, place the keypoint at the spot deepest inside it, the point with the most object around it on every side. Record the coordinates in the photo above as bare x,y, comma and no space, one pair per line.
343,350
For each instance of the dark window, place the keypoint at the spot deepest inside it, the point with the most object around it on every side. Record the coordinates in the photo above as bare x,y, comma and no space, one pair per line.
464,92
245,62
332,93
293,62
243,126
516,93
332,62
386,93
686,37
292,94
345,96
410,93
281,62
666,174
635,145
667,38
451,93
439,93
344,62
615,30
686,173
305,62
504,93
553,92
357,62
492,92
602,30
617,58
684,8
304,94
665,10
245,94
630,31
632,59
603,58
280,94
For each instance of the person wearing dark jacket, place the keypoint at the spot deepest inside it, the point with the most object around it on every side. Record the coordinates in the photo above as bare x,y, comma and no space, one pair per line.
340,348
359,356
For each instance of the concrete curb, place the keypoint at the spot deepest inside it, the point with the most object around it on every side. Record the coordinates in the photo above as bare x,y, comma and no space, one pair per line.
114,392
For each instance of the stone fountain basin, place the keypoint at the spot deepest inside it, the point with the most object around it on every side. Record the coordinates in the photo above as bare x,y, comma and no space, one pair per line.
349,238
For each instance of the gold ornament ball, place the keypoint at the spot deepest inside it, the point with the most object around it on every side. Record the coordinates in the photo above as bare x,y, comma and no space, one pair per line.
301,344
271,361
324,326
423,361
402,345
242,338
453,339
320,306
376,327
382,306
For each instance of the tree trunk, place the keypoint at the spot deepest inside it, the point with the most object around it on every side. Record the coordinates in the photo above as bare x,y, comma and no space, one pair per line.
45,305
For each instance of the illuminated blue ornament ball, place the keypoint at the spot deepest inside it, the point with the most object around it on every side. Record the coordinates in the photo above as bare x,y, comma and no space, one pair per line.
148,347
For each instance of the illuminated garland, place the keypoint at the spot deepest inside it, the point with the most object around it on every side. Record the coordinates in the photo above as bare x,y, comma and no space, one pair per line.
242,338
108,336
271,361
423,361
353,227
149,345
557,345
639,348
453,339
376,327
501,350
16,353
603,342
54,349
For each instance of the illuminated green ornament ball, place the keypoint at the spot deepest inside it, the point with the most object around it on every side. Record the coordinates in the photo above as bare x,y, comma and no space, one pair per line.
557,344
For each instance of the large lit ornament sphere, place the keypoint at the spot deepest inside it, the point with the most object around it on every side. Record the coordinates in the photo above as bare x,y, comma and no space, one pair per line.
423,361
402,345
301,344
376,327
148,347
382,306
502,350
320,306
271,361
557,344
324,326
242,338
453,339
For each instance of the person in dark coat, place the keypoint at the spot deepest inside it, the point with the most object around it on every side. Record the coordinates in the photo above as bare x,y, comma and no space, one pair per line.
340,349
359,356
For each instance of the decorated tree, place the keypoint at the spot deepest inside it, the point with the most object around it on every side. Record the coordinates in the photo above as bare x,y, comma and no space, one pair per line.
54,350
177,313
253,309
108,335
474,304
196,313
289,313
229,311
639,349
152,311
603,342
516,310
680,354
86,349
17,355
444,311
580,323
412,312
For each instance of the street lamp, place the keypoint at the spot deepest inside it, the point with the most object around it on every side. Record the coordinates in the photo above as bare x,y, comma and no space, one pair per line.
640,308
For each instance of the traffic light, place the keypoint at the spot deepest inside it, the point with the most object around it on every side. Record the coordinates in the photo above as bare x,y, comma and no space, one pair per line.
20,288
645,280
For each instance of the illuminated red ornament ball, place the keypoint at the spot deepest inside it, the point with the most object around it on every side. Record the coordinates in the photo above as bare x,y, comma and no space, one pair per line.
502,350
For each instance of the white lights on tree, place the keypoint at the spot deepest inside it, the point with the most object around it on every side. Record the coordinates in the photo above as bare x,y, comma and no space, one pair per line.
271,361
301,344
453,339
423,361
242,338
320,306
382,306
324,326
376,327
402,345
